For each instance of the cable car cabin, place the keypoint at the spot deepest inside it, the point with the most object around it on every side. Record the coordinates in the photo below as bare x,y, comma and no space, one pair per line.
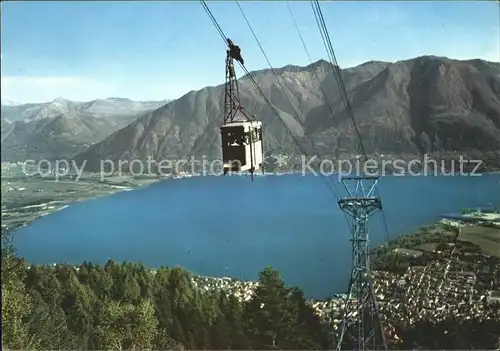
242,146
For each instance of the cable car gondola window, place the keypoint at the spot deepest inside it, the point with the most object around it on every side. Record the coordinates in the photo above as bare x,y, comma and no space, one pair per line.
256,134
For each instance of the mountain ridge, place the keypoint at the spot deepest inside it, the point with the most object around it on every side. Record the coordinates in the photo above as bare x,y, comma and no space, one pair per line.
409,107
425,104
12,112
62,127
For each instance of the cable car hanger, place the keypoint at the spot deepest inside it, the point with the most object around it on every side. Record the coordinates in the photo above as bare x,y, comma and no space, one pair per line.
241,133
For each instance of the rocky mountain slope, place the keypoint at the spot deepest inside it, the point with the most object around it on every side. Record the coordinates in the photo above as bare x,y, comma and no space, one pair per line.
423,105
61,128
54,137
111,107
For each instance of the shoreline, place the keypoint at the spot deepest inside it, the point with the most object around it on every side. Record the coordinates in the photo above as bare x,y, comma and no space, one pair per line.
52,206
106,187
420,240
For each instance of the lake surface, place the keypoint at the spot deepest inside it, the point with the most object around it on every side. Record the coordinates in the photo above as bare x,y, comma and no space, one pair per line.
229,226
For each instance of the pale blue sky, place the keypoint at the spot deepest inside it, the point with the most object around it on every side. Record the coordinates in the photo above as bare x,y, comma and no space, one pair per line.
164,49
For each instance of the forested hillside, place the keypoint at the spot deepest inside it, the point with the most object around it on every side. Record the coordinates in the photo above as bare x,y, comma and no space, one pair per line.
126,306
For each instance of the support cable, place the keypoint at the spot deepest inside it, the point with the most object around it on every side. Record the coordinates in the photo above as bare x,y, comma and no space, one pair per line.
330,184
323,93
261,93
337,74
345,99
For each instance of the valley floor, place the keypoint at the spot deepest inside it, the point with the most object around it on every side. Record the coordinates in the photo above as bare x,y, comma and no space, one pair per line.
25,199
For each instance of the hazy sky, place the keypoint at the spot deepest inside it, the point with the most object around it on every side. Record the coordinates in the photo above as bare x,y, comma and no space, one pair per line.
163,49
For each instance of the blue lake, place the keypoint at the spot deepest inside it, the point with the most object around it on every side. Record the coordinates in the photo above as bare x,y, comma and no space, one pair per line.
230,226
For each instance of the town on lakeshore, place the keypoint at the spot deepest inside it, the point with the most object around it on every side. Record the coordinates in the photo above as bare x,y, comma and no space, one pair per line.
430,275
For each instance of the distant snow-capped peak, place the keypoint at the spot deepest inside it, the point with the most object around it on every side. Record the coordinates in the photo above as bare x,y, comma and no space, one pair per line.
6,102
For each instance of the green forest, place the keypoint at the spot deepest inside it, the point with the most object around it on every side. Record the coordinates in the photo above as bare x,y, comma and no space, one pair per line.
119,306
125,306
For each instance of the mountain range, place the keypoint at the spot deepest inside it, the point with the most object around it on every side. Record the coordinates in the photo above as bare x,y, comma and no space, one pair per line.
423,105
62,128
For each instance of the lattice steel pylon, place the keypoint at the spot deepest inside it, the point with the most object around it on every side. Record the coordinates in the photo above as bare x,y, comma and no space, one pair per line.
361,328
